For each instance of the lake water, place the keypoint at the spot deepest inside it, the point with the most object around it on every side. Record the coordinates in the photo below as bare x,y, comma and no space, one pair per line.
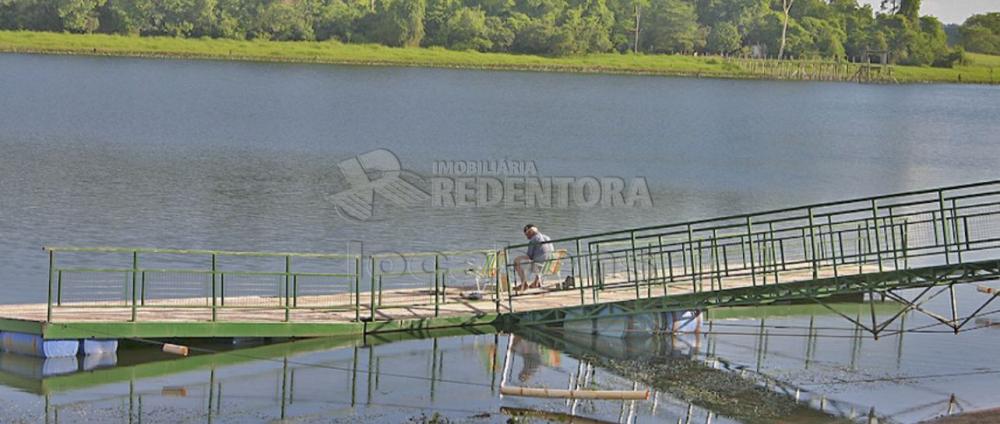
201,154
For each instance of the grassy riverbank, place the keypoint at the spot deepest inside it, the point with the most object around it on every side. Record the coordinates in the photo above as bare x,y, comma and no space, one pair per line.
980,70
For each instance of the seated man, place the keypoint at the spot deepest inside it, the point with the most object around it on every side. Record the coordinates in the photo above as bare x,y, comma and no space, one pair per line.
539,251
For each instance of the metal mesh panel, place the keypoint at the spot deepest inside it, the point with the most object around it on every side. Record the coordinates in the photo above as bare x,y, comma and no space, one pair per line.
323,291
93,288
240,290
175,288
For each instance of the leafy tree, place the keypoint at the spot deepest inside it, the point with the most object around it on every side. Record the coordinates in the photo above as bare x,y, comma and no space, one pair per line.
786,8
828,38
398,23
501,35
500,8
819,9
934,41
436,18
232,17
542,9
121,17
724,38
588,26
798,28
981,33
466,29
918,42
672,27
910,9
537,36
182,17
35,15
79,15
858,26
283,21
338,19
628,14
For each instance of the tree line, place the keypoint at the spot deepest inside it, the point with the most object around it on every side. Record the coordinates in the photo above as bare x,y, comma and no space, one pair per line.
840,29
981,33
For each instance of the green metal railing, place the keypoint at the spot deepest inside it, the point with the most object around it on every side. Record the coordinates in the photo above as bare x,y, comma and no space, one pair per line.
204,282
944,226
949,225
420,281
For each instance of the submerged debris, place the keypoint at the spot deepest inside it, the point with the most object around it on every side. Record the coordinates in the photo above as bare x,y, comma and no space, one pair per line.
724,392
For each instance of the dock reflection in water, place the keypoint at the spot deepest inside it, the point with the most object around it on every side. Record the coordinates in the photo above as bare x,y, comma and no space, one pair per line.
390,379
750,365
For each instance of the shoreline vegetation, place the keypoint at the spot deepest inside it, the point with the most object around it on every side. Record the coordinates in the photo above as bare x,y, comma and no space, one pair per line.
980,69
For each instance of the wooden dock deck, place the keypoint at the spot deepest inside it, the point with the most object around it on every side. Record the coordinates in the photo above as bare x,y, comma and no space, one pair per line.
400,309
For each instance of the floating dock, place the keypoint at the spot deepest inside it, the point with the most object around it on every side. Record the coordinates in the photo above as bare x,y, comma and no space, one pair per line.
930,240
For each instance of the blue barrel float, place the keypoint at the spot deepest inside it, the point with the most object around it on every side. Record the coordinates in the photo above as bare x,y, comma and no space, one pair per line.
92,347
35,345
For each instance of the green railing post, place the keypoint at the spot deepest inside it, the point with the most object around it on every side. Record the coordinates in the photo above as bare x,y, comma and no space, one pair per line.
725,263
762,257
510,285
59,281
833,244
578,272
659,249
772,252
496,280
379,301
862,258
357,288
944,228
669,278
965,228
878,240
600,273
753,275
700,273
690,243
635,266
905,235
600,282
288,275
437,285
135,283
649,270
956,234
781,252
715,261
840,245
892,236
371,291
812,246
214,301
52,262
591,267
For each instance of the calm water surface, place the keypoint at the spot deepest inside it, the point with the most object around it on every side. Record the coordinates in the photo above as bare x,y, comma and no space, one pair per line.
200,154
